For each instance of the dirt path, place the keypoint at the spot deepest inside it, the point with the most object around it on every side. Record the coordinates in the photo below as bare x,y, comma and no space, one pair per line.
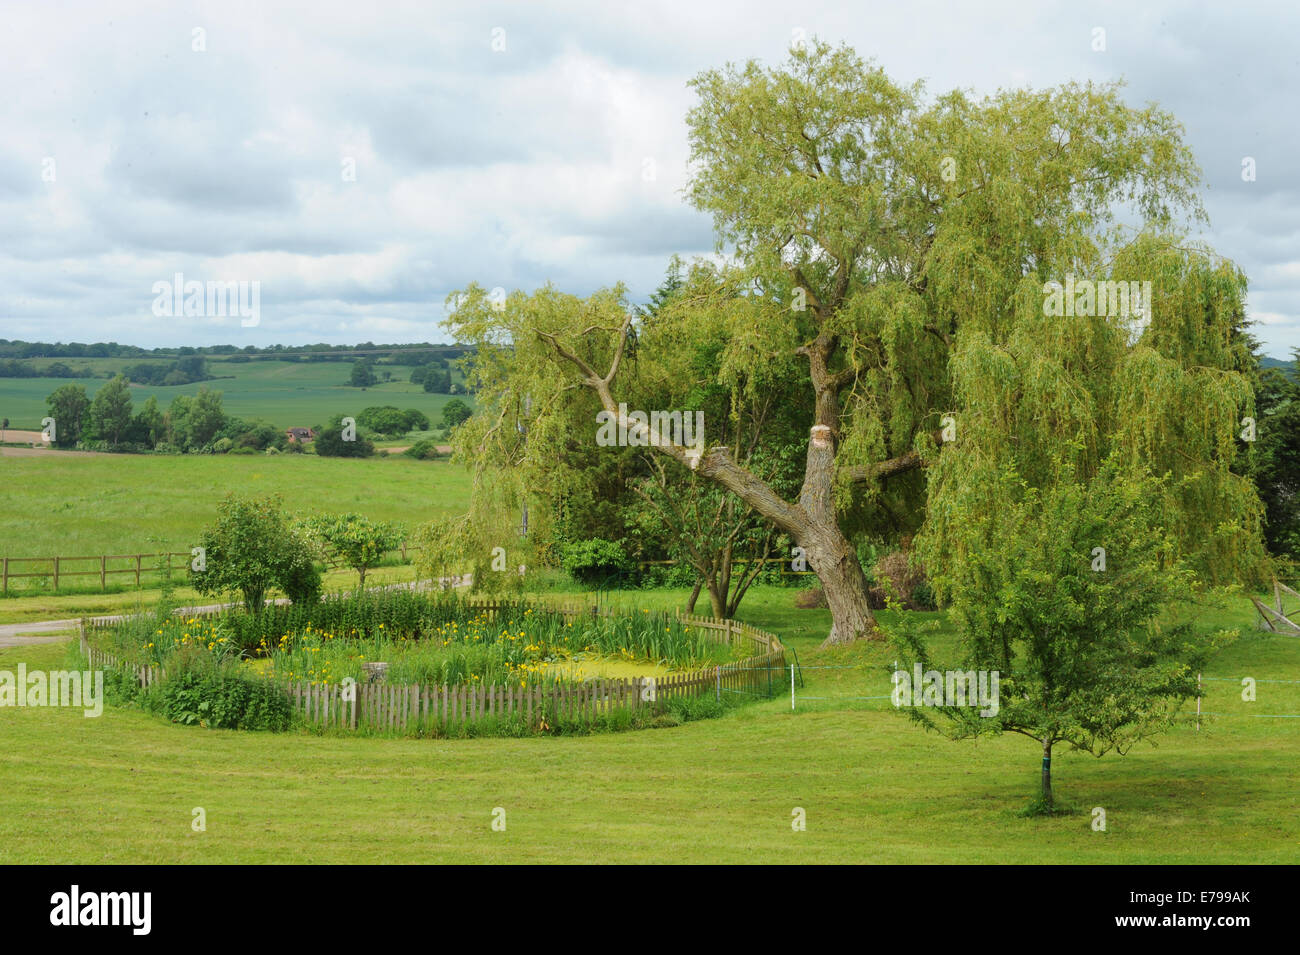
47,453
14,435
442,449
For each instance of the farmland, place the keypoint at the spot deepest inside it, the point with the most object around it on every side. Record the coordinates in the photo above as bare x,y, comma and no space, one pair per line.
286,394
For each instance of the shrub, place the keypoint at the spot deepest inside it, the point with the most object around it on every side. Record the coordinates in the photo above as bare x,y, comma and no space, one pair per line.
330,443
454,413
595,560
252,548
810,599
301,580
898,576
923,596
423,450
221,699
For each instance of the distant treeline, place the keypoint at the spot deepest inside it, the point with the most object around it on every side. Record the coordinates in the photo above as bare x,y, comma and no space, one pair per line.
183,371
10,368
421,353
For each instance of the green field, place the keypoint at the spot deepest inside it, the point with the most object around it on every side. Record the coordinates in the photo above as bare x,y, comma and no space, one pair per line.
122,788
287,394
76,506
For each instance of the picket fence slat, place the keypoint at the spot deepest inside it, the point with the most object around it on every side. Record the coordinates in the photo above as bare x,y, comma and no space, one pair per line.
415,708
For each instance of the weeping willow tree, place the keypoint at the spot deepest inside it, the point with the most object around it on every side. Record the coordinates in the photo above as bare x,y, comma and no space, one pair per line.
890,247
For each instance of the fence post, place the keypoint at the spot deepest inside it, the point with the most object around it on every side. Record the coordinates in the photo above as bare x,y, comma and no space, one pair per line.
81,628
5,573
103,571
137,570
56,573
791,687
717,676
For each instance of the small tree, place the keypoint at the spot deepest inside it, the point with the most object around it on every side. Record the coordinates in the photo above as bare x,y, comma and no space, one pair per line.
110,412
363,376
1059,591
68,406
355,540
455,412
332,442
251,548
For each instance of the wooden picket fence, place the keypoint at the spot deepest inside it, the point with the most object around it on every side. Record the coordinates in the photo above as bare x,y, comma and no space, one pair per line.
408,708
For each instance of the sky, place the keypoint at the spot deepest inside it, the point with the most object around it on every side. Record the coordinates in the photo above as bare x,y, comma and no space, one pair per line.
362,161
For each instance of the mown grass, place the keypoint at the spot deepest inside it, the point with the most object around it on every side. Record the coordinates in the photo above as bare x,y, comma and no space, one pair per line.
875,788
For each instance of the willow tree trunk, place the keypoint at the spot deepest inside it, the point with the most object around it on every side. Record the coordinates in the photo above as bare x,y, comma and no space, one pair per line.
845,585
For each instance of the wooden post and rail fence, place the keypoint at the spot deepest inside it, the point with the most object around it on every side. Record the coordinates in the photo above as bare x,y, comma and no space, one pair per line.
105,566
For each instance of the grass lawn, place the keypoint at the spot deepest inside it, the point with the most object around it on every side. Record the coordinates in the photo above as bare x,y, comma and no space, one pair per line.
128,503
875,789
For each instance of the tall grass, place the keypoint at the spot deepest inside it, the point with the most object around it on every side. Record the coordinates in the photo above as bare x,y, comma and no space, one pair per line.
425,638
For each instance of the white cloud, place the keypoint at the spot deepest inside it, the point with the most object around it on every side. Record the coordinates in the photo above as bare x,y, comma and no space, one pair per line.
510,168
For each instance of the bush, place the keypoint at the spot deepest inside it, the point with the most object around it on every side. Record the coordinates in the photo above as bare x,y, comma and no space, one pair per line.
810,599
425,450
221,699
301,580
899,577
923,596
595,561
330,443
222,446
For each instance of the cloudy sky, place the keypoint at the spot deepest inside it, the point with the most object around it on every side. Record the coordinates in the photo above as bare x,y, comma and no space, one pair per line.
509,144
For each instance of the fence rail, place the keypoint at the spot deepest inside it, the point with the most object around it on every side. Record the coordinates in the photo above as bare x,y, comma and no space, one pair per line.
57,567
408,707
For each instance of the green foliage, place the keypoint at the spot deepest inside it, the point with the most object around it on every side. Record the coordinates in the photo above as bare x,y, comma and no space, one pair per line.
68,406
595,561
1277,464
454,413
363,374
1074,633
389,420
425,449
353,539
219,697
251,548
110,411
148,427
193,422
330,442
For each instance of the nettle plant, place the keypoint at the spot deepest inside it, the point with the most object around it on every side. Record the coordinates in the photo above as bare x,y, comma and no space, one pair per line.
888,253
